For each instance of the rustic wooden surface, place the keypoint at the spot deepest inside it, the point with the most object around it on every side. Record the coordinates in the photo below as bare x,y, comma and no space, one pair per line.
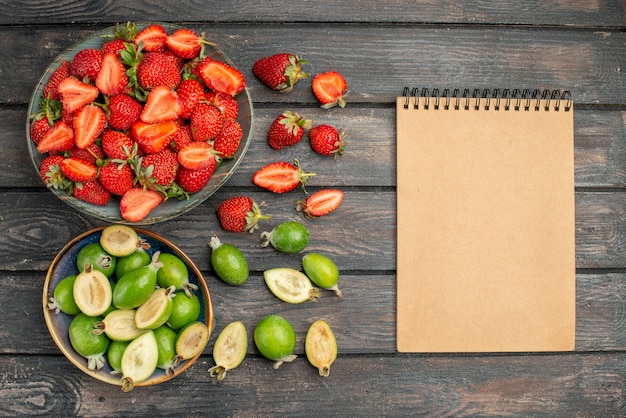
380,47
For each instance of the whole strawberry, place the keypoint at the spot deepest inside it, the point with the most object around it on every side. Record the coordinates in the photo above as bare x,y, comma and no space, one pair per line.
227,142
326,140
91,192
117,178
287,130
158,169
206,122
123,110
86,64
50,172
239,214
280,72
157,69
193,181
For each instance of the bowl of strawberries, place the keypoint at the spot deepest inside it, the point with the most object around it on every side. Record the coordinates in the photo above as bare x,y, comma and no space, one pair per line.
139,123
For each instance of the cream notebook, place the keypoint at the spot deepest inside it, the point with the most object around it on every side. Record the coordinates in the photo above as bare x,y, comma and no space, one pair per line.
485,226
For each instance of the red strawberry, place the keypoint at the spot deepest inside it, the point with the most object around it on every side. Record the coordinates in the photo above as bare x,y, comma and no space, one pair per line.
78,170
196,155
123,111
112,79
116,178
157,69
287,129
86,64
90,154
152,37
91,192
159,168
227,104
280,72
193,181
320,203
182,137
227,142
114,46
38,129
330,89
190,92
221,77
137,203
88,123
281,177
50,172
162,104
153,137
185,43
61,73
326,140
60,137
239,214
75,94
206,122
117,144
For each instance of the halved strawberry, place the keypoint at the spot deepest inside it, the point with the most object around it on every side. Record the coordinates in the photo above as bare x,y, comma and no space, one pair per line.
162,104
185,43
196,155
153,38
78,170
330,89
320,203
112,78
281,176
221,77
88,123
75,94
60,137
153,137
137,203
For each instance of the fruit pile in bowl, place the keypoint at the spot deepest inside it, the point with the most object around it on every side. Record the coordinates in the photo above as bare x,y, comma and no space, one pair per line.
126,306
139,123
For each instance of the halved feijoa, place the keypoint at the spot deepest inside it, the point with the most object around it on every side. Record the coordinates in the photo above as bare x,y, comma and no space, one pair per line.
229,349
156,310
320,346
119,240
119,325
290,285
191,340
139,360
92,292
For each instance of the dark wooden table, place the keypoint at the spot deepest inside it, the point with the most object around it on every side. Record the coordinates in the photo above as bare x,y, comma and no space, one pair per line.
381,47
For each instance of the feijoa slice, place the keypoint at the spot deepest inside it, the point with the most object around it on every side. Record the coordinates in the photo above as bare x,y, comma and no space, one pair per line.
119,325
322,271
119,240
275,338
156,310
320,346
62,299
92,292
288,237
290,285
191,340
85,342
228,262
229,349
174,272
139,360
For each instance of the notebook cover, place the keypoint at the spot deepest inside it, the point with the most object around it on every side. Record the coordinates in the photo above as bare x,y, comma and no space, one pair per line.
485,230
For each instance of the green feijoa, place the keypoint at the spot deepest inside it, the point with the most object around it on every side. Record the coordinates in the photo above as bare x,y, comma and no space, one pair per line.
276,339
174,272
62,299
131,262
228,262
114,355
139,360
95,255
322,271
185,309
288,237
86,343
191,340
166,342
136,286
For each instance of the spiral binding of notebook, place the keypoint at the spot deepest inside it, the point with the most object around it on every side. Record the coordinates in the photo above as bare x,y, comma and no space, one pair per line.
488,99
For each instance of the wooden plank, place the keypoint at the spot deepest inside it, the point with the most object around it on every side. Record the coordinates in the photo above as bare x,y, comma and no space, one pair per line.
608,13
424,56
542,385
369,159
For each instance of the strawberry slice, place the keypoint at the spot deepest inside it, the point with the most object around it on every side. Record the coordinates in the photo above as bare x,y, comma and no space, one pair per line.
330,89
153,38
162,104
75,94
153,137
281,177
185,43
137,203
320,203
221,77
78,170
196,155
88,123
60,137
112,78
